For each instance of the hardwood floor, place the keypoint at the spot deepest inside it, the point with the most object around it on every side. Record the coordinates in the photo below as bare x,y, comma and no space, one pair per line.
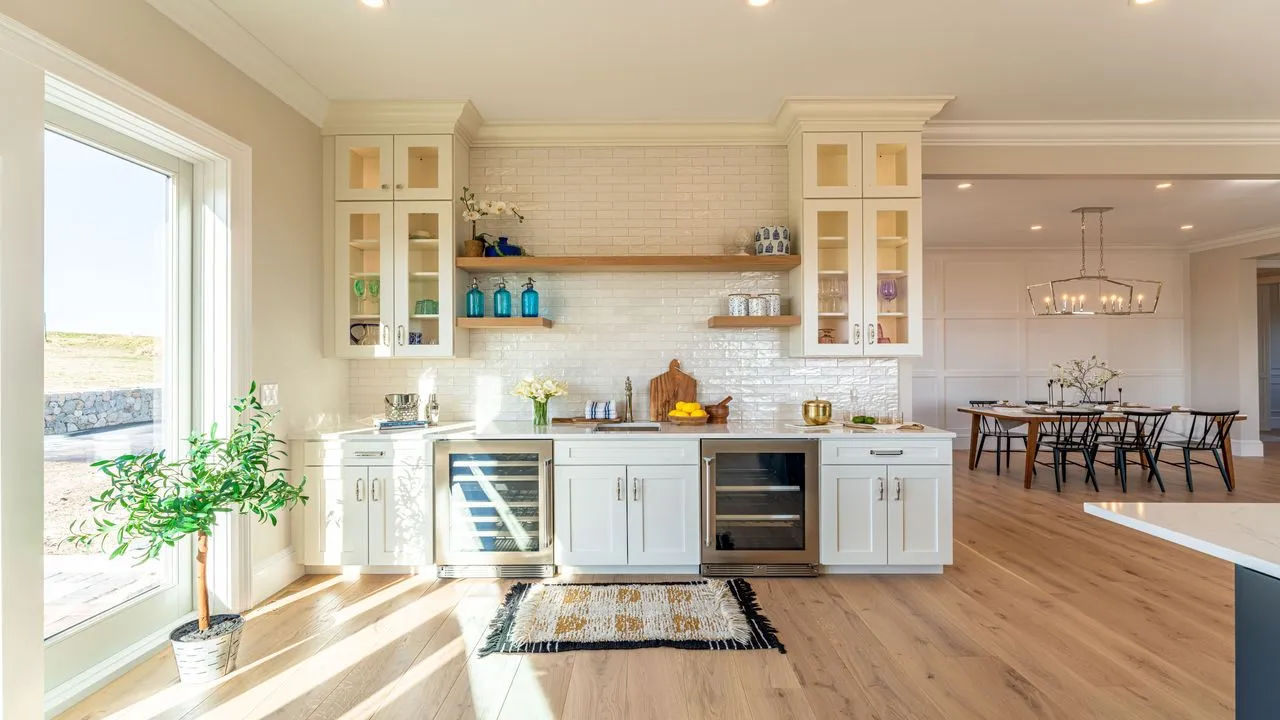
1047,613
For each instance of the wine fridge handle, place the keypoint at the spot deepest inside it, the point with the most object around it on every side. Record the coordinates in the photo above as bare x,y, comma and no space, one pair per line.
706,501
545,526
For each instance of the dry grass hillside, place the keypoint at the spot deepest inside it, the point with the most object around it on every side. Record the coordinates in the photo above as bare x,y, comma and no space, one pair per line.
83,361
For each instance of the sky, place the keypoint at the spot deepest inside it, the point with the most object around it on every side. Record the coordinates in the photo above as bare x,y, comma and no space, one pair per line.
105,220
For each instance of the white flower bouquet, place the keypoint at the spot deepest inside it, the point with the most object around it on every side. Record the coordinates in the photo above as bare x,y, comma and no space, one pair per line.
1085,375
473,209
540,389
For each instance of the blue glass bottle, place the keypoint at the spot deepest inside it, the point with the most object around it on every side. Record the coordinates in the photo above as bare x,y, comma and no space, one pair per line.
529,300
502,300
475,300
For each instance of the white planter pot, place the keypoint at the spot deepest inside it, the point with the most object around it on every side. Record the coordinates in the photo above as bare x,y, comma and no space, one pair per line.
202,661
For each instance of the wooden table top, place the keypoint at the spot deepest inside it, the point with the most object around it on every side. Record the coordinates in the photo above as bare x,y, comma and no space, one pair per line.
1019,413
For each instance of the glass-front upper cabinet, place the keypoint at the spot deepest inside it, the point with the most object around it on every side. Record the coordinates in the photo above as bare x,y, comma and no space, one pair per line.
831,301
424,279
363,167
423,167
832,165
893,263
364,258
891,164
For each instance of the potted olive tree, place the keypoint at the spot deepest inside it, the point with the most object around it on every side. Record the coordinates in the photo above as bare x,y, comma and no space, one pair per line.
154,502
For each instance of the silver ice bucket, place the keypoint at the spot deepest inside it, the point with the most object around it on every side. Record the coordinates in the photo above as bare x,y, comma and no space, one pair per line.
401,406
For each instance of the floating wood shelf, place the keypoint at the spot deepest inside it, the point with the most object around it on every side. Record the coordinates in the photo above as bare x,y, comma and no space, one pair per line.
631,263
768,321
511,323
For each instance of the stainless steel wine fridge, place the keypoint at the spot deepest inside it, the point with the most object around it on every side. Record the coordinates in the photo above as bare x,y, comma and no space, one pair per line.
760,507
494,509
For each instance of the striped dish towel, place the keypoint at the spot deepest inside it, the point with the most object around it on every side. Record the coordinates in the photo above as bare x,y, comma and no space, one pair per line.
601,410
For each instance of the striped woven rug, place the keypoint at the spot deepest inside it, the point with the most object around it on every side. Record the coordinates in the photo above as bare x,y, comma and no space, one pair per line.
693,615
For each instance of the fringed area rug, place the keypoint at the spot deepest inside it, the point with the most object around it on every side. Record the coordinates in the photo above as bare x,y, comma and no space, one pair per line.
695,615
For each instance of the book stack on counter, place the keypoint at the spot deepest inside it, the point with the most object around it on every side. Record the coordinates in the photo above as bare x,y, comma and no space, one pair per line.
400,424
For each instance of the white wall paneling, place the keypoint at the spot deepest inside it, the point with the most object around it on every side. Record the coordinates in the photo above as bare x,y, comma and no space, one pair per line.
981,342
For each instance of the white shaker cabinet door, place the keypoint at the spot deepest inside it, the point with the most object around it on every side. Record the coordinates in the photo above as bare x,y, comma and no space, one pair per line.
662,517
852,524
590,515
400,522
336,524
920,515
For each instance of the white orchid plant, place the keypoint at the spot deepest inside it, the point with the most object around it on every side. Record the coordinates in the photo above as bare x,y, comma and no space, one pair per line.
540,389
1085,375
473,209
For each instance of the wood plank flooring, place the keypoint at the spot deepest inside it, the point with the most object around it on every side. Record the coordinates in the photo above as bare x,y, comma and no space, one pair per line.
1047,613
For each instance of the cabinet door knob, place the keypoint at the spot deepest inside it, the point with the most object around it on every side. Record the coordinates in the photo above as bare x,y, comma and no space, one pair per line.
386,186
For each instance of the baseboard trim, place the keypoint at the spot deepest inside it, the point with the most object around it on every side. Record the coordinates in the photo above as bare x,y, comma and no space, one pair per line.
627,570
882,569
61,698
425,570
274,574
1247,448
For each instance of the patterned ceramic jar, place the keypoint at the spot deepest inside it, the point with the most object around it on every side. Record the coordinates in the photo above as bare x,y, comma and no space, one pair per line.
755,306
772,304
773,240
738,305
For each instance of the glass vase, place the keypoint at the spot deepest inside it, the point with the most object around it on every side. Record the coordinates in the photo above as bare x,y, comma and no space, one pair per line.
540,413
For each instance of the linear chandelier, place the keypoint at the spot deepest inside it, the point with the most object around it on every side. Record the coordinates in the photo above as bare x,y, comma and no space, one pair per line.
1095,294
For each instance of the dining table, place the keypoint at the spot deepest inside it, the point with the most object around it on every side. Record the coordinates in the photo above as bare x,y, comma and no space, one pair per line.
1015,415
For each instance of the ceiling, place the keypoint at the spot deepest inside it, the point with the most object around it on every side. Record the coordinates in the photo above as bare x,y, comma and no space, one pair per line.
1000,213
695,60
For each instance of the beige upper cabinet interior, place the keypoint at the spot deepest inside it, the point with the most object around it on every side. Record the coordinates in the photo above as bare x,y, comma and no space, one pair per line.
422,167
832,165
387,167
362,167
891,165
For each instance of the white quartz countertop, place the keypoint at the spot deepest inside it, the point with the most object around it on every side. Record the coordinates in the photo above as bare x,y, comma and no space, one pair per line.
527,431
1246,534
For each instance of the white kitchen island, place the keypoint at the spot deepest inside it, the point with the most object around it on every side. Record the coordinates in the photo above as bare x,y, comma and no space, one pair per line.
632,502
1248,535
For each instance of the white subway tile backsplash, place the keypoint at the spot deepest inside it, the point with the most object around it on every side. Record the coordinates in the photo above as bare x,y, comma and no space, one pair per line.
643,201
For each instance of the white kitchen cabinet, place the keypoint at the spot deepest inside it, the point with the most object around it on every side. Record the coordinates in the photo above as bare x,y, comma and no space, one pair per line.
919,527
363,167
853,516
422,167
615,515
892,261
389,256
832,164
393,167
367,508
891,165
591,515
662,515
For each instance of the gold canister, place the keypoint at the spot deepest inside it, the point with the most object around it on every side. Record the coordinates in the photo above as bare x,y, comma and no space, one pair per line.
816,412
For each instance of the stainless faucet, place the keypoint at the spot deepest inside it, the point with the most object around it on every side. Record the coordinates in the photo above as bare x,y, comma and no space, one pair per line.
628,415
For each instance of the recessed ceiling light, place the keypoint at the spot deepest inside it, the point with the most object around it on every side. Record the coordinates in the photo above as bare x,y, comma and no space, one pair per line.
374,3
1141,2
1037,227
1187,227
1164,186
757,3
964,186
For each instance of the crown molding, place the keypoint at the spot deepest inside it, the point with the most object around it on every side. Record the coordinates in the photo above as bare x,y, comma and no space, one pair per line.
403,117
1105,133
209,24
840,114
1271,232
1042,249
637,134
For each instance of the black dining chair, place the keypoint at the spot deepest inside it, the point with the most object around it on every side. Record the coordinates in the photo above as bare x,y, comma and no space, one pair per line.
989,427
1140,434
1075,431
1207,433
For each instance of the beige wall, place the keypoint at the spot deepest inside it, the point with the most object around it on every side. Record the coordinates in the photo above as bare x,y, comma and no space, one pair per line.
134,41
1153,160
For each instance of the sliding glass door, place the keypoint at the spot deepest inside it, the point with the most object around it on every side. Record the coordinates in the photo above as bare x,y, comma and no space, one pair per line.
118,375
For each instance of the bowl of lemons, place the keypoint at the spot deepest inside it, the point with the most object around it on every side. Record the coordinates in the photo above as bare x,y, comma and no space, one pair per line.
688,413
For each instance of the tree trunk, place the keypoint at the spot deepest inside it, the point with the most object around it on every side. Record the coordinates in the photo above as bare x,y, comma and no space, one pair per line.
202,585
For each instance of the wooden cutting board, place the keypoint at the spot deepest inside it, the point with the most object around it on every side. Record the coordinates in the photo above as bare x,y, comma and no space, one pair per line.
669,388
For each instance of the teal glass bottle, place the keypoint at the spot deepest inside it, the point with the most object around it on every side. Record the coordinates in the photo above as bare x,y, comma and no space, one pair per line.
475,300
502,300
529,301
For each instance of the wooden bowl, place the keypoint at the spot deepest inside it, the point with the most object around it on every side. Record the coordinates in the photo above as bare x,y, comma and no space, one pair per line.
689,420
719,413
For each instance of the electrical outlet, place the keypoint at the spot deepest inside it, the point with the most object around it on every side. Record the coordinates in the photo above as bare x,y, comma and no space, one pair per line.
270,395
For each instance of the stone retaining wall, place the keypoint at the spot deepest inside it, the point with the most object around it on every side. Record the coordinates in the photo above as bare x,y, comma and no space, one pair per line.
97,409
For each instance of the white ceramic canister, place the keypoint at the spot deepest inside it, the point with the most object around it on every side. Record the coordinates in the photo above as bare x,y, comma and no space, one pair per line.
755,306
772,304
738,305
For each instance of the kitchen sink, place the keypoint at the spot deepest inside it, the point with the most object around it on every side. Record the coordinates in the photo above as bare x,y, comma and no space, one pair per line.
630,427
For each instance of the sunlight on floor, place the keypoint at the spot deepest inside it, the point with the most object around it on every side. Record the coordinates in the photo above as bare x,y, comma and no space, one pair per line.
292,598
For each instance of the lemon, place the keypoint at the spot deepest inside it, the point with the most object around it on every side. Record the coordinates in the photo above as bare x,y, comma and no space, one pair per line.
678,413
698,413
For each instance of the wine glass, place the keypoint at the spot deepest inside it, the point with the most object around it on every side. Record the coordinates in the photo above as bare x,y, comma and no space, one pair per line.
375,287
888,292
360,288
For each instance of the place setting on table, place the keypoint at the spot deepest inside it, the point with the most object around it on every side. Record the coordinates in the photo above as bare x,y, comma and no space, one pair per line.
1091,422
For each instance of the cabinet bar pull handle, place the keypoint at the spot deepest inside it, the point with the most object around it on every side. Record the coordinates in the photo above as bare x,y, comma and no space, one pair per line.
359,491
881,495
857,334
544,527
373,489
871,334
370,453
386,334
617,488
706,501
897,494
400,334
886,452
635,489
